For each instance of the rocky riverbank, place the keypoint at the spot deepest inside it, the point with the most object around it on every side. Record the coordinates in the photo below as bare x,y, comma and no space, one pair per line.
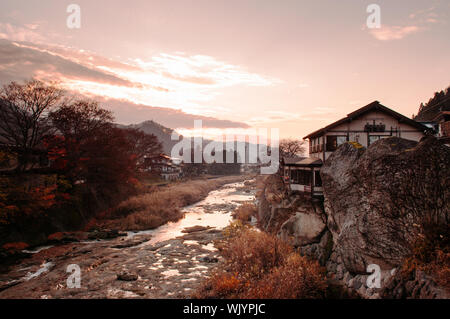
117,268
168,262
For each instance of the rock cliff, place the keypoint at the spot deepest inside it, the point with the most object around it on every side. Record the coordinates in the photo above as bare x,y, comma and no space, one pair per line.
378,200
377,204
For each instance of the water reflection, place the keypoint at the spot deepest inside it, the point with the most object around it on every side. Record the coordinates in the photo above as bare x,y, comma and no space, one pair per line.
214,211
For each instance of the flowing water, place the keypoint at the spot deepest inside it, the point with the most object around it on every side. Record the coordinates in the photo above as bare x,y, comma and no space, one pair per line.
214,211
167,262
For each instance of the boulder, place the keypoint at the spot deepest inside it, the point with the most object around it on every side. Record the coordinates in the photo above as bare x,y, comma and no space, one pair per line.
194,229
208,259
303,228
126,276
377,200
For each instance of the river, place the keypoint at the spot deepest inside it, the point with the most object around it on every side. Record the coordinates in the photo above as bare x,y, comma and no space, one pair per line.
167,262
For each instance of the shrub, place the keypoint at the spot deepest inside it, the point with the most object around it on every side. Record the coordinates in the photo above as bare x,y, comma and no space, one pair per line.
254,253
259,265
431,254
245,212
297,278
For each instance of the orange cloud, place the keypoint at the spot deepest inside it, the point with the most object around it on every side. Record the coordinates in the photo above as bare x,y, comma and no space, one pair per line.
387,33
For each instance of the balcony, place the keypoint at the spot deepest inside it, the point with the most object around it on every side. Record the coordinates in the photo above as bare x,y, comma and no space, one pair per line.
374,127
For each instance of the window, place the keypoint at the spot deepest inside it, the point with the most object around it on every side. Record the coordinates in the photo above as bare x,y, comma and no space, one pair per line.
318,180
373,127
333,141
341,140
304,177
301,177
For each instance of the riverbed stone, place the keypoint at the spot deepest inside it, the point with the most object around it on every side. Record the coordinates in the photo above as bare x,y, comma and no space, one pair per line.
126,276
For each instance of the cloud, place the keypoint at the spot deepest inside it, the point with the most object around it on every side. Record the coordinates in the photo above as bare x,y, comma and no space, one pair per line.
201,70
15,33
182,85
387,33
419,20
19,62
135,113
168,80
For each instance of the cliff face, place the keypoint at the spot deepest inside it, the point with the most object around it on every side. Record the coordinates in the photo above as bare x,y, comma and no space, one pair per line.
378,200
377,203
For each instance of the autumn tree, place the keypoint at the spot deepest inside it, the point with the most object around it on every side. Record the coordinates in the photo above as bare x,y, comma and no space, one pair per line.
291,147
81,125
142,145
24,121
109,160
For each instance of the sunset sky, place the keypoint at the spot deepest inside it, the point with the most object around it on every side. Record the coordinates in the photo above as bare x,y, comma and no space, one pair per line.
293,65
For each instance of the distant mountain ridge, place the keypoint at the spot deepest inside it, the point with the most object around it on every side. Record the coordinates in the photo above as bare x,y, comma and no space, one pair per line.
163,133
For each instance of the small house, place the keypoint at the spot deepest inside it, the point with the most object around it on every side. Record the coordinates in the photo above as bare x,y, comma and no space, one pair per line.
364,126
302,174
164,166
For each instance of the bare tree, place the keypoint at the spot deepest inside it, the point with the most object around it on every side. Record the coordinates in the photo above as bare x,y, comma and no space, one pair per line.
24,121
81,119
290,147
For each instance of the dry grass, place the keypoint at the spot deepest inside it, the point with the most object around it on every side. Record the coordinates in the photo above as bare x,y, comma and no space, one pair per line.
259,265
296,278
151,210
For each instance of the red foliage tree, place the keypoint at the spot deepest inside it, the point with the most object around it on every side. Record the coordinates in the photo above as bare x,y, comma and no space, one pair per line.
142,145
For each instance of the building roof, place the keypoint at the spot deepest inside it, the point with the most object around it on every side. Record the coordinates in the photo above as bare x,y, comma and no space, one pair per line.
291,160
374,106
302,161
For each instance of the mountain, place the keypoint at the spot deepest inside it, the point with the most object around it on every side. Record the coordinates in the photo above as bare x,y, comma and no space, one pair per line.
164,136
163,133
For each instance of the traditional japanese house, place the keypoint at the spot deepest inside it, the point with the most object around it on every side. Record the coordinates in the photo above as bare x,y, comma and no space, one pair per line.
302,174
164,166
364,126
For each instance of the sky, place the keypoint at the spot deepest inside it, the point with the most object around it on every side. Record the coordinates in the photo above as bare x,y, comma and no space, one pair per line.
235,64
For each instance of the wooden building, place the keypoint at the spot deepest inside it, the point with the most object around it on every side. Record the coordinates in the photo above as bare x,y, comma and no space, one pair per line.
437,116
364,126
164,166
302,174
